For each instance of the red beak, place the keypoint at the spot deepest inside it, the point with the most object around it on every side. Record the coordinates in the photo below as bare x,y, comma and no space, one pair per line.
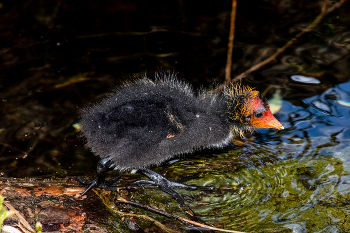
269,121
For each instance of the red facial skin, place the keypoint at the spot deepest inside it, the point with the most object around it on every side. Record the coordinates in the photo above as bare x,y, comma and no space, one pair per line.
267,120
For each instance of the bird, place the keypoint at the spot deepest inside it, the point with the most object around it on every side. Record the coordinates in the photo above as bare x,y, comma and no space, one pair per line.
148,121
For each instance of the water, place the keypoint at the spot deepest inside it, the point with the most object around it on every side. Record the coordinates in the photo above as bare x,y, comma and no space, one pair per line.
297,179
294,180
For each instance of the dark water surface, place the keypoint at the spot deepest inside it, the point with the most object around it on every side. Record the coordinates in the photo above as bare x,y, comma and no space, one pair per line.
56,57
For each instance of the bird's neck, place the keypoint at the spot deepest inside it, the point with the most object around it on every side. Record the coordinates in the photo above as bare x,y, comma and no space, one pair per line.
234,113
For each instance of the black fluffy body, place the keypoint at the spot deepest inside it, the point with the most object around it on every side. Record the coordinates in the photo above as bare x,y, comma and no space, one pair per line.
146,122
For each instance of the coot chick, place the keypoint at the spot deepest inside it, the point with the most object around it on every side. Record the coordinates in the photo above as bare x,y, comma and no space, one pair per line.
147,122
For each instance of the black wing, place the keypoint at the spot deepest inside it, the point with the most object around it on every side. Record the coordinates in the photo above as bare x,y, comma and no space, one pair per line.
127,132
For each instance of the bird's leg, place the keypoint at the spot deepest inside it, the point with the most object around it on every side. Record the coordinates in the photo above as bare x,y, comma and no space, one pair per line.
157,180
166,185
102,167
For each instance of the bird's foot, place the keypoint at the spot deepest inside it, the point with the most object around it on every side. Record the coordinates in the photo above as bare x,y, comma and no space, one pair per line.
99,182
167,185
171,184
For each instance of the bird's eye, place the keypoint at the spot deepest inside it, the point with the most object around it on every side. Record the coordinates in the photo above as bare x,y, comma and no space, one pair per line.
248,117
258,114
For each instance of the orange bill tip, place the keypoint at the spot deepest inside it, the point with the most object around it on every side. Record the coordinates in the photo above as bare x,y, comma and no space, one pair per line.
275,124
271,122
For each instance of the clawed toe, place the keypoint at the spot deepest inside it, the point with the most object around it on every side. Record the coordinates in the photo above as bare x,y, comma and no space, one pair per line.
99,182
84,181
206,188
143,183
92,184
111,181
193,188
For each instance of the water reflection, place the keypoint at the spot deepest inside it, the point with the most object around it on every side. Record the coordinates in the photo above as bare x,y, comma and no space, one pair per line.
272,195
296,181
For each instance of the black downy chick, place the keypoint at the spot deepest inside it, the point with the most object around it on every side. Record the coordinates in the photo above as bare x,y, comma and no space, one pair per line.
147,122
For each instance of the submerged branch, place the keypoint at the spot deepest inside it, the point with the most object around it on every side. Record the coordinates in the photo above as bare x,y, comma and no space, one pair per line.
110,205
183,220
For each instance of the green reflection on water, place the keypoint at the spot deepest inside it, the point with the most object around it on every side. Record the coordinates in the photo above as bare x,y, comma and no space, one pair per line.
258,193
287,192
297,193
